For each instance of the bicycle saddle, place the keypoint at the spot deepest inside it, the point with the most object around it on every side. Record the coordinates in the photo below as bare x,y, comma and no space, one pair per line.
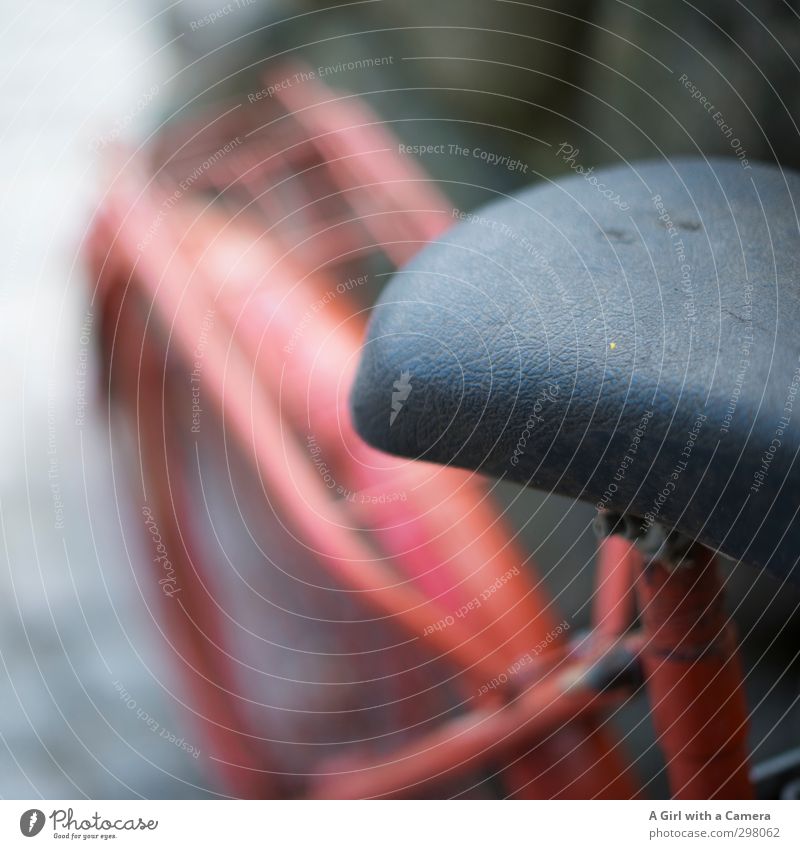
628,337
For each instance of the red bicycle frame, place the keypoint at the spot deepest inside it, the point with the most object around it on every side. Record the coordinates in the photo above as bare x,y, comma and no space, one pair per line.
240,223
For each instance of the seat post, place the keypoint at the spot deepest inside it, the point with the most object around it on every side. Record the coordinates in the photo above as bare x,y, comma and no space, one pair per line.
689,658
694,677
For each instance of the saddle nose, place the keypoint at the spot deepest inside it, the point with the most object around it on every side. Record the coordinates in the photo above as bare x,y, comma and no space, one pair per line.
626,336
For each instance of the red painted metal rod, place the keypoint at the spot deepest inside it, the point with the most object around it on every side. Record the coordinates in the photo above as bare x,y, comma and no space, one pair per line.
694,679
468,742
614,602
253,419
490,574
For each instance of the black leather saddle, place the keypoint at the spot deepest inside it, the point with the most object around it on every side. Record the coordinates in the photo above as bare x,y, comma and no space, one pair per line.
629,337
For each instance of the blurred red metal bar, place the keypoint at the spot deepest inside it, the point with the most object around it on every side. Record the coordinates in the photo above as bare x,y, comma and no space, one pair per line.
481,735
193,628
352,152
694,678
613,613
446,534
614,604
349,134
246,408
267,400
524,612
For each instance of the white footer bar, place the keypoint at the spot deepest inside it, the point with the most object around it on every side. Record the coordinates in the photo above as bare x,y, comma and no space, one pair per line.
400,825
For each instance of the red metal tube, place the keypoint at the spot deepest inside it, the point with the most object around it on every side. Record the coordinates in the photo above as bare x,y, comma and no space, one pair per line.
261,287
470,741
694,679
614,603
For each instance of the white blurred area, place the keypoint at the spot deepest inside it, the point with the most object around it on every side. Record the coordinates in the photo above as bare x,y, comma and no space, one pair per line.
75,624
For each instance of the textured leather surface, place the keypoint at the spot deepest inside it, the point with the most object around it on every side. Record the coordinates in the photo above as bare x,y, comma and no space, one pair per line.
630,339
